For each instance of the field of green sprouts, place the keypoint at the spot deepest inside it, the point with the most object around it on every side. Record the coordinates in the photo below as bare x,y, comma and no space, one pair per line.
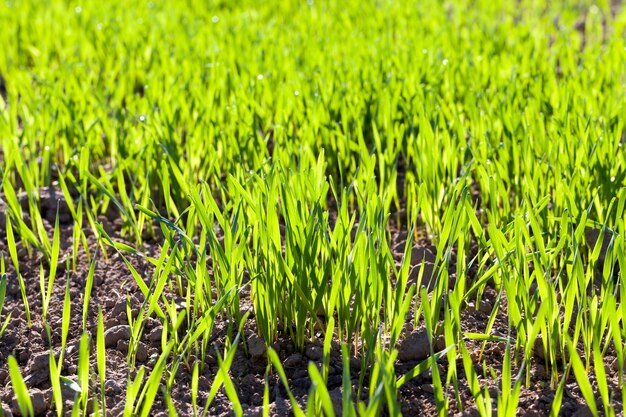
312,207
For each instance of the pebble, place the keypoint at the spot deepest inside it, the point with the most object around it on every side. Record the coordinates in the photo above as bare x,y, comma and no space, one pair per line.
256,346
115,334
314,352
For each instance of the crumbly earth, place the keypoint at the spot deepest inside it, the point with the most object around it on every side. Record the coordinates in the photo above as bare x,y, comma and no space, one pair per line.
114,287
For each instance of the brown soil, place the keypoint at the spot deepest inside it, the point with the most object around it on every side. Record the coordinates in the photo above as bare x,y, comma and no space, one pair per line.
114,285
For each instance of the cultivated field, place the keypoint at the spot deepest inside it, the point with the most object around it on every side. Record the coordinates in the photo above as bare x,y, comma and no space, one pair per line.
306,208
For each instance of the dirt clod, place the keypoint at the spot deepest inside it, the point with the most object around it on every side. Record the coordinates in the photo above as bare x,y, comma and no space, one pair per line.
155,335
6,410
38,399
314,352
414,347
256,346
584,411
111,386
115,334
39,362
293,360
142,352
485,307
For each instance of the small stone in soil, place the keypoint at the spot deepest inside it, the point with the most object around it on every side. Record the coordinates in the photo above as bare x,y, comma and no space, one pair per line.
115,334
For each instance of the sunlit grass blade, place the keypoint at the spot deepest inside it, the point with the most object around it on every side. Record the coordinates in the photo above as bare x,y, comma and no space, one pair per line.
23,397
